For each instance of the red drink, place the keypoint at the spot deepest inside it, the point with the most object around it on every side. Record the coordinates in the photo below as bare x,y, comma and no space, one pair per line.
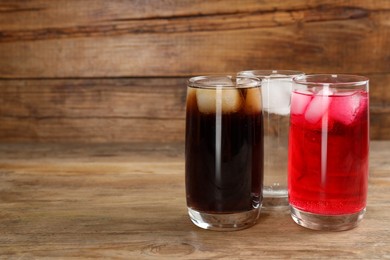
328,151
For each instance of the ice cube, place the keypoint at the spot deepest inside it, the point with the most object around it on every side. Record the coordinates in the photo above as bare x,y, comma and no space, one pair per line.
299,102
276,95
191,92
345,108
228,99
318,106
253,101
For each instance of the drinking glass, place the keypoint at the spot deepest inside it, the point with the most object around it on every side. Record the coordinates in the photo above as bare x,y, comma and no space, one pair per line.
276,94
224,152
328,151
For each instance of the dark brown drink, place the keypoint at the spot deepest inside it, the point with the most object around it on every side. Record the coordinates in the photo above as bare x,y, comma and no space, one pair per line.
224,149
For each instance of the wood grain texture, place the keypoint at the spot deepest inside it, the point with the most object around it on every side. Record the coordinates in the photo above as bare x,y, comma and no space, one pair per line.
37,14
92,110
174,38
99,71
127,201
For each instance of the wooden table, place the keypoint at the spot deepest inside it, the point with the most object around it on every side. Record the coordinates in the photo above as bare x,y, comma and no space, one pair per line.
128,201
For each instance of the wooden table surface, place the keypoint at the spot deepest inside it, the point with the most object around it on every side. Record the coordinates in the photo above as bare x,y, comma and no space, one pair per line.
128,201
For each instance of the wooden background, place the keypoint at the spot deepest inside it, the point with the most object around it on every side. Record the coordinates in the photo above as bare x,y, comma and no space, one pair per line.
115,71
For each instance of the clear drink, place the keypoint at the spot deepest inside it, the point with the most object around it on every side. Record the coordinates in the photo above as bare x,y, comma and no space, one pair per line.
275,159
276,94
328,152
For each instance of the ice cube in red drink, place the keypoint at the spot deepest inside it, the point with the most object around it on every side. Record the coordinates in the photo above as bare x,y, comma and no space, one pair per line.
346,107
318,106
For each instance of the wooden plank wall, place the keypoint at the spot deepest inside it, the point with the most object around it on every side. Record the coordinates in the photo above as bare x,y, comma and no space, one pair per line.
115,71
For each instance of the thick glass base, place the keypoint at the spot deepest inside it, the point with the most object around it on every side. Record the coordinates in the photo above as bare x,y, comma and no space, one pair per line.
326,222
224,222
275,199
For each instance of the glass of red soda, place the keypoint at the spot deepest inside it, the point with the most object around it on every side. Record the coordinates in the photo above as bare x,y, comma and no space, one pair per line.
328,151
224,151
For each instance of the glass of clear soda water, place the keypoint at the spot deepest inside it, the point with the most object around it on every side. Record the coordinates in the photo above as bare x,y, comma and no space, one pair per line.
276,94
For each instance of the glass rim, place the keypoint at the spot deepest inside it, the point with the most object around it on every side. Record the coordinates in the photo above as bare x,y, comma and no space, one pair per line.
274,74
326,80
196,81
